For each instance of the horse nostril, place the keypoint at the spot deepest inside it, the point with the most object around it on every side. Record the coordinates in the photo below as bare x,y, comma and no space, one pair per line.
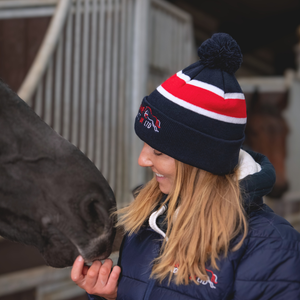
92,209
98,227
94,214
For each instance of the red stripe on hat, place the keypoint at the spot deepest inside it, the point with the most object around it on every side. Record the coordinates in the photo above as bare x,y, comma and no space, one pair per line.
205,99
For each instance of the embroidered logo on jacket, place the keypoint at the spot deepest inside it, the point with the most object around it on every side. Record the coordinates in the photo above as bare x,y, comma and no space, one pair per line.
146,117
211,281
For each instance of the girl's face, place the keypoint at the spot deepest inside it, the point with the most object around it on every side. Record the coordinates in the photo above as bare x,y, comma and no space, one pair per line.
161,164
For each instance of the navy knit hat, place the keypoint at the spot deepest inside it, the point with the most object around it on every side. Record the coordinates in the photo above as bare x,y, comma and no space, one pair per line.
198,115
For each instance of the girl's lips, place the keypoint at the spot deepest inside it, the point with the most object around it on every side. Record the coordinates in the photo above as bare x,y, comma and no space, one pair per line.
159,177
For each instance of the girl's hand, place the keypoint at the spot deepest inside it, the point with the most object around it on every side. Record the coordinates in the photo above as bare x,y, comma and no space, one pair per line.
98,279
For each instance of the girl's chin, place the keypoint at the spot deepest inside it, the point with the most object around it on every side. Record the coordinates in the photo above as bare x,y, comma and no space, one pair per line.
164,189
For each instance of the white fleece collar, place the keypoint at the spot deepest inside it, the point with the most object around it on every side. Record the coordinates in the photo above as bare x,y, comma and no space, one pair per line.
248,166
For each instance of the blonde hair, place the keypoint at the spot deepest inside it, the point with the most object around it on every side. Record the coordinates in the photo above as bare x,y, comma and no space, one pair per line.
209,215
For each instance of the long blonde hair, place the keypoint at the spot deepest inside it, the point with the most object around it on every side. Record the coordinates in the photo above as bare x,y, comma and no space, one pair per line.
205,213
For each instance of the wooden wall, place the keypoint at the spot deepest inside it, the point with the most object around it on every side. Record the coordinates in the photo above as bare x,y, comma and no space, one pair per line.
20,40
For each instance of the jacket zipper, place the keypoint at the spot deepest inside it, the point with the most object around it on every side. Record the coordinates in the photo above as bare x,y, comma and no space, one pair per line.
149,289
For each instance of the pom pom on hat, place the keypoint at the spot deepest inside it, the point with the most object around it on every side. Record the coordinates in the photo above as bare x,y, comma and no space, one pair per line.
221,51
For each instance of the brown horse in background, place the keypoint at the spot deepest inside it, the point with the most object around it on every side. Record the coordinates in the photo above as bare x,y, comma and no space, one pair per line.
266,132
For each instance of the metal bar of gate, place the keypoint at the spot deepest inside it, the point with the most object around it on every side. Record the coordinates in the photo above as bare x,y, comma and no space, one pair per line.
139,83
120,174
114,95
125,198
58,114
48,94
84,100
76,74
100,75
107,92
66,129
92,78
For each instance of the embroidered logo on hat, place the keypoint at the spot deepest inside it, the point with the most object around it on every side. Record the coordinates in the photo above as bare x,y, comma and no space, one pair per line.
146,117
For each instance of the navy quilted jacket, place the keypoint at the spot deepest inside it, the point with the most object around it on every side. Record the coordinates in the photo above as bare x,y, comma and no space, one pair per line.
267,266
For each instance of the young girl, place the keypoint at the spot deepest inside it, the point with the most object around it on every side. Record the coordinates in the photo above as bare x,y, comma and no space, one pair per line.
199,229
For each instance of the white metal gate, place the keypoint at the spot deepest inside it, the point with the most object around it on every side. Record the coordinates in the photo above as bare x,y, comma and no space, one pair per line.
82,89
90,76
97,61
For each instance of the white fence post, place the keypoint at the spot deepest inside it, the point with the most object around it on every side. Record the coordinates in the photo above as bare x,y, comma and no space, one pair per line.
139,84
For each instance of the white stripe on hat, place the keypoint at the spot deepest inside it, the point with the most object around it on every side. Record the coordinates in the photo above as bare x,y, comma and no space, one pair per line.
209,87
200,110
240,96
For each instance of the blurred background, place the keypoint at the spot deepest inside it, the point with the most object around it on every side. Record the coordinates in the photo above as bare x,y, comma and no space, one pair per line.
85,65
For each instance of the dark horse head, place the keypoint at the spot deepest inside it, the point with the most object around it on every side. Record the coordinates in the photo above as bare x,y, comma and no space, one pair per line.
51,195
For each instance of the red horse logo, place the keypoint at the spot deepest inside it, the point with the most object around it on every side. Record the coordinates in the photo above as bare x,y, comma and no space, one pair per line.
148,119
211,281
214,277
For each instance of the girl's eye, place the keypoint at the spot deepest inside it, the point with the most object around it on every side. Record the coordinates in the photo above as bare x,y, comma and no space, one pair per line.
157,153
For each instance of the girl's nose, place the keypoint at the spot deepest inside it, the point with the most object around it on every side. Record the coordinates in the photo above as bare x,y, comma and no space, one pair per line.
145,157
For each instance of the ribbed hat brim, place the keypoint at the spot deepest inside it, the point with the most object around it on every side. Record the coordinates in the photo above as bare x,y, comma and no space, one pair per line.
186,144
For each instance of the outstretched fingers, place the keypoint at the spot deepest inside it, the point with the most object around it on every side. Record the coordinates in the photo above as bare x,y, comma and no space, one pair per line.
99,279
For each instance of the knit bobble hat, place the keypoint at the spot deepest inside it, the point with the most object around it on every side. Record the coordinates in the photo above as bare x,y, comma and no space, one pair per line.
198,115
